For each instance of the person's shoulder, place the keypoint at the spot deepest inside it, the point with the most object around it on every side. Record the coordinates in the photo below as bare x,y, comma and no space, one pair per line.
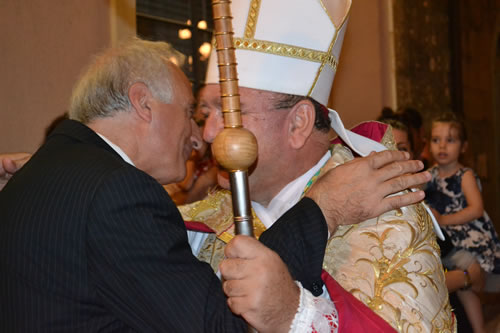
99,167
467,173
463,170
127,187
470,177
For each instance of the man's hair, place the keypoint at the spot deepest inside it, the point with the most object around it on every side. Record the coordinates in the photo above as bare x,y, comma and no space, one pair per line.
288,101
103,88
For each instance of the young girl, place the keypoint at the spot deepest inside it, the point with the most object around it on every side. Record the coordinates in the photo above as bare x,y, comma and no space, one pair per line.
454,194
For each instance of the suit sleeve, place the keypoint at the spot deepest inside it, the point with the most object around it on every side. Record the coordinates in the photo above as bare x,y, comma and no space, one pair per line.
141,264
299,237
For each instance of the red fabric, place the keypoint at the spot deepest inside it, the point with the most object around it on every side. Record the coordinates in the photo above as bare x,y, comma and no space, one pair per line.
354,316
369,129
198,226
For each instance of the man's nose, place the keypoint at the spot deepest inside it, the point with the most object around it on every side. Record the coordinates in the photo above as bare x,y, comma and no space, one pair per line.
196,139
213,125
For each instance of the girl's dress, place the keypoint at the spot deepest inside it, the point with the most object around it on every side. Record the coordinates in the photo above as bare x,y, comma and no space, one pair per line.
478,236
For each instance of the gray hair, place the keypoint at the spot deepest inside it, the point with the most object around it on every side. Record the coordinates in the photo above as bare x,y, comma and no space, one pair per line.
103,88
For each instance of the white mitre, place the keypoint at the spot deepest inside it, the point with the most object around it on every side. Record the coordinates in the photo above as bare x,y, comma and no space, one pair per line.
287,46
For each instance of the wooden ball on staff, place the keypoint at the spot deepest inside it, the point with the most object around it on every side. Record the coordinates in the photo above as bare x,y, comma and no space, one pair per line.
235,149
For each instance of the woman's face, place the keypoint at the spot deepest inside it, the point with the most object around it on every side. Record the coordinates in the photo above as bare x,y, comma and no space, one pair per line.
402,142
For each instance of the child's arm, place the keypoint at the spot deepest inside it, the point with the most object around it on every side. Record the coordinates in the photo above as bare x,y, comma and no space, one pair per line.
474,207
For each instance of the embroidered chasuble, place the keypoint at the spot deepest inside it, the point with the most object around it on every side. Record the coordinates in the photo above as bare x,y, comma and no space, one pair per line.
390,263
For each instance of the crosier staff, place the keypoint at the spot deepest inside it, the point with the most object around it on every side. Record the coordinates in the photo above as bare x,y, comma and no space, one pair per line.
235,148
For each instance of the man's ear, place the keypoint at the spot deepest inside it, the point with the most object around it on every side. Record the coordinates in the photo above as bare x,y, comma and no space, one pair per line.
141,99
301,123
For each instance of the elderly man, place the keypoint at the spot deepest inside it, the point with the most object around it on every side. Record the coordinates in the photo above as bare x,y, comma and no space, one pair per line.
91,242
287,54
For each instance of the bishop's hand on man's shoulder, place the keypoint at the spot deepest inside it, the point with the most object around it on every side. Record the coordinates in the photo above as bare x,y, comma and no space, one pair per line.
361,188
9,164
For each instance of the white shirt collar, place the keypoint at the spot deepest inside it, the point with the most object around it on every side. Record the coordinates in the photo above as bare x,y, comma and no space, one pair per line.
288,196
118,150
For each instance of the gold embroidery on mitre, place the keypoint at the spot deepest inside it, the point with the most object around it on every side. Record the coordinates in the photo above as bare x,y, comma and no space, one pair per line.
253,14
320,69
330,47
286,50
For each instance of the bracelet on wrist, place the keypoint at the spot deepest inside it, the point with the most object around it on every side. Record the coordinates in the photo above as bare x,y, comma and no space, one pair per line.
467,281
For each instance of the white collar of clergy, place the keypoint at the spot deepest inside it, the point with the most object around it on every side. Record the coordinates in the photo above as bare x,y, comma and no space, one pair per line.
288,196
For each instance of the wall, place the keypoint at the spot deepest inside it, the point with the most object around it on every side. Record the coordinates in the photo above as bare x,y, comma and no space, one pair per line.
122,20
45,45
364,82
49,43
423,56
495,157
480,53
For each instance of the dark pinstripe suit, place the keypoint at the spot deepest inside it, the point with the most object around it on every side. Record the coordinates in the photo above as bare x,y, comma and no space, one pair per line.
89,243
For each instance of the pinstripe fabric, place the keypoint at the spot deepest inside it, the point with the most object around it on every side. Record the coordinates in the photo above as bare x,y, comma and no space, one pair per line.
89,243
301,245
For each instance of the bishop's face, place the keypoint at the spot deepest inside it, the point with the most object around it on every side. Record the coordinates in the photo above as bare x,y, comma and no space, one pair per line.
266,123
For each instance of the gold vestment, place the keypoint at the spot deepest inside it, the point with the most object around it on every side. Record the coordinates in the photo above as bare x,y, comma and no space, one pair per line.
390,263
